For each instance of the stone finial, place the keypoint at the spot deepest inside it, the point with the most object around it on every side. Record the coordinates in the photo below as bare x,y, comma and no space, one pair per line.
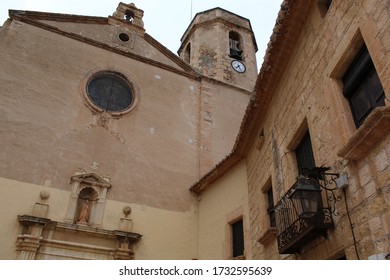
107,178
126,210
44,194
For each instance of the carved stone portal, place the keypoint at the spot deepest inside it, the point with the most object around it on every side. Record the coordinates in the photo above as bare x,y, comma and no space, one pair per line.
42,239
78,237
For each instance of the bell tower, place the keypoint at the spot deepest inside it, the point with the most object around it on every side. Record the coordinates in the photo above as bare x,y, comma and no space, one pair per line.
129,16
221,45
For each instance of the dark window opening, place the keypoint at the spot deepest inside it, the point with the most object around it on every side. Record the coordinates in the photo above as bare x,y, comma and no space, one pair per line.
305,161
187,53
238,238
324,6
124,37
362,87
304,154
110,92
270,209
129,16
235,45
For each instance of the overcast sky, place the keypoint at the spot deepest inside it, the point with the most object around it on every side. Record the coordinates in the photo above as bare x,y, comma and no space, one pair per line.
164,20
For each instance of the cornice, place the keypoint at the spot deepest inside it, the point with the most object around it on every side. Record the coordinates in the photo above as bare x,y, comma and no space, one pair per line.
35,16
18,14
191,29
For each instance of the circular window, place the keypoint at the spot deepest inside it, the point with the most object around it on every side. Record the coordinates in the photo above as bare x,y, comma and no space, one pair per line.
110,92
124,37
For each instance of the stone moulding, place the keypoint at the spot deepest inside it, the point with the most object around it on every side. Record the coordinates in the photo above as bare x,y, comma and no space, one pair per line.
33,18
368,136
33,243
90,179
33,220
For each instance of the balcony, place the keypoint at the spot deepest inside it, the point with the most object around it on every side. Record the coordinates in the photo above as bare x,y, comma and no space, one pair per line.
301,216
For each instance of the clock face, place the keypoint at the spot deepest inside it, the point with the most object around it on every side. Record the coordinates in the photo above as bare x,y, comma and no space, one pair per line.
238,66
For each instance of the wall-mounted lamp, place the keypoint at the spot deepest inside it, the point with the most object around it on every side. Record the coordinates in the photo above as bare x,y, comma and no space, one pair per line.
306,196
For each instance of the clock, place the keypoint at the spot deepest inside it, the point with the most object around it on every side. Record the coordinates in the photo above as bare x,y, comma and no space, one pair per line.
238,66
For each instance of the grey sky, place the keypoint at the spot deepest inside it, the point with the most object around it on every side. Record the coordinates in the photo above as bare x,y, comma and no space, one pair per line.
166,20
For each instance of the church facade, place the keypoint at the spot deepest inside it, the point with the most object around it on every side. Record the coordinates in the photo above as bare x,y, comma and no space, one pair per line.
104,131
116,148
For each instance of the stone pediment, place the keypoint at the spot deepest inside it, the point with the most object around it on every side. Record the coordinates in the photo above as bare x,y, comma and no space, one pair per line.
90,179
112,34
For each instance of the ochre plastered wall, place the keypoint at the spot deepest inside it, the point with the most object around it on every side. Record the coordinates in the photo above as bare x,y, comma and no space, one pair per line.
51,132
50,116
309,96
177,231
151,156
225,202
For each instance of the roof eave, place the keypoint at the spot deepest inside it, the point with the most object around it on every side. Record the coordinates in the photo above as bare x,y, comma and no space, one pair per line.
56,17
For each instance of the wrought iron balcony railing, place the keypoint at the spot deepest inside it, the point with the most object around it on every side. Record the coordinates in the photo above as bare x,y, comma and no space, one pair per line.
294,227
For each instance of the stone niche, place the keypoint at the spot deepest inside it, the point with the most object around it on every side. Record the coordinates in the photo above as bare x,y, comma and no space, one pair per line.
88,191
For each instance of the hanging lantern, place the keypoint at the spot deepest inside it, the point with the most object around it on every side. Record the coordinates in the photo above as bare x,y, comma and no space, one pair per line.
306,197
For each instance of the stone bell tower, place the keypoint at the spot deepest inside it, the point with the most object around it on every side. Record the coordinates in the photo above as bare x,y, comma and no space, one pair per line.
221,45
128,15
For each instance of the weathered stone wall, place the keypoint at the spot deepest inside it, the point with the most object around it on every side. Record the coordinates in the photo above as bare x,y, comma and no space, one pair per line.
309,96
208,36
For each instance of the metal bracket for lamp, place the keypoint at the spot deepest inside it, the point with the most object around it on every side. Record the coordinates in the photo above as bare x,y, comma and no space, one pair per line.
315,179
